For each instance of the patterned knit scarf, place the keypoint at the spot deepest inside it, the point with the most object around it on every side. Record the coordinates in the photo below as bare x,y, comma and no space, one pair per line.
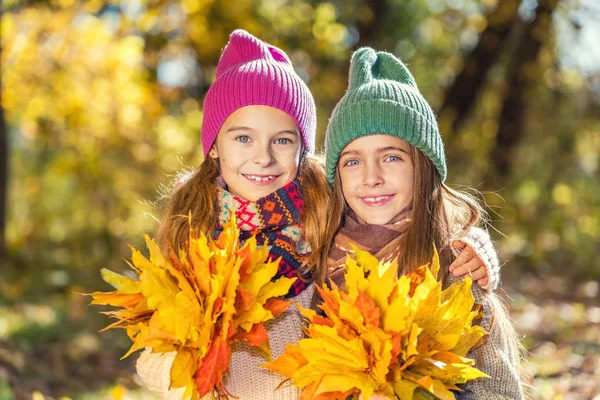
379,240
276,220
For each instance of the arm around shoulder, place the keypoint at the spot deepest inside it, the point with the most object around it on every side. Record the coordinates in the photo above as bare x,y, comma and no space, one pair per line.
480,241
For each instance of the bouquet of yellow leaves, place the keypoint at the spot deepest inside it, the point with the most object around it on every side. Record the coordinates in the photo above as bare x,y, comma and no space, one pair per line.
400,337
197,302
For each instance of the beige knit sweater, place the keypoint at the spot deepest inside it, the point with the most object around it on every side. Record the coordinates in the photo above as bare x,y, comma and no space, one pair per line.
246,379
249,381
495,357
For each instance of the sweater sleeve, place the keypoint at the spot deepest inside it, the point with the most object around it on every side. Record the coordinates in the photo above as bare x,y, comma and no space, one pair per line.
479,240
155,371
495,357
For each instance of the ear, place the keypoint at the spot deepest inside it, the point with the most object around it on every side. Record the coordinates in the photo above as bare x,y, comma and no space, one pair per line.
214,153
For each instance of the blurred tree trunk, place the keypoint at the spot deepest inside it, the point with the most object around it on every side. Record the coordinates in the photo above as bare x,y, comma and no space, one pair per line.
520,78
3,171
3,184
369,26
461,95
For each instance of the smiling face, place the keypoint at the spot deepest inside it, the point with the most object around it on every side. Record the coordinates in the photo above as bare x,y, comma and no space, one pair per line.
259,150
377,177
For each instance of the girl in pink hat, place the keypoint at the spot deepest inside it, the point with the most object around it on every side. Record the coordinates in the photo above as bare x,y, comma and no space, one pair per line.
258,137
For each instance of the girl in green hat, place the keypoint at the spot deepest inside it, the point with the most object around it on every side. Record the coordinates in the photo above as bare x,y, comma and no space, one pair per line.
386,164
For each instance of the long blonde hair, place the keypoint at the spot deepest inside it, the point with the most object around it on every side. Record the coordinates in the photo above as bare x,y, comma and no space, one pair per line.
196,193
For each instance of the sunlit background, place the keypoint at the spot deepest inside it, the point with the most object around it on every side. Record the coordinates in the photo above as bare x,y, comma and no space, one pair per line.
103,101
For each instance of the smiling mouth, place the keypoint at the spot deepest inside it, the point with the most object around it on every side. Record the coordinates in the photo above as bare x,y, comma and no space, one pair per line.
261,180
377,201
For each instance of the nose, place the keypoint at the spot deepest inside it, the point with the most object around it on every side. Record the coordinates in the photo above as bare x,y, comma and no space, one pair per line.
373,175
263,155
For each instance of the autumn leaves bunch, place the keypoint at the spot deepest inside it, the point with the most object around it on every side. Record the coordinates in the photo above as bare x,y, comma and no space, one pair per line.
400,337
197,302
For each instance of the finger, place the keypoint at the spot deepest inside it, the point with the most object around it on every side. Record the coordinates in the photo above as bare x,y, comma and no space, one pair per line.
466,255
466,268
478,273
457,244
483,282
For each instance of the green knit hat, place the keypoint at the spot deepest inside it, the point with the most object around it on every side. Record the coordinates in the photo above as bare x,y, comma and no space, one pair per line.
382,98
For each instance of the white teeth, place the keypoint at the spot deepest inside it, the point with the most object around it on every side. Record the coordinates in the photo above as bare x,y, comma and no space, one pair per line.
260,178
375,199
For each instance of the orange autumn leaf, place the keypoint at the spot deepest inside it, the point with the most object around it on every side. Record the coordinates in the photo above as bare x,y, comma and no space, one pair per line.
330,305
367,308
292,362
319,320
214,365
246,267
396,343
243,300
402,337
334,395
276,306
309,391
256,336
127,301
196,301
416,277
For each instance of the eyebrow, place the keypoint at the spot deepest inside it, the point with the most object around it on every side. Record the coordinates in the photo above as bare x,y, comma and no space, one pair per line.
290,131
388,148
349,152
380,150
239,128
248,129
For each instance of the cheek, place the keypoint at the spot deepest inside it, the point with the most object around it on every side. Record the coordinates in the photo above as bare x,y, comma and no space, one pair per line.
230,157
292,169
347,191
345,178
349,180
411,189
404,183
410,181
290,162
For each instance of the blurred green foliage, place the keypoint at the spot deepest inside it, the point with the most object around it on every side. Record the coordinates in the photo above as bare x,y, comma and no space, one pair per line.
103,104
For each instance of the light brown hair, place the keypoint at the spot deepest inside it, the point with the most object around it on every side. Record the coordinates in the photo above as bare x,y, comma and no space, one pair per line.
196,193
439,215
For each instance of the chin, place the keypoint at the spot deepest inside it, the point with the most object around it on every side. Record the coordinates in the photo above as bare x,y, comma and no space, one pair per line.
381,221
377,219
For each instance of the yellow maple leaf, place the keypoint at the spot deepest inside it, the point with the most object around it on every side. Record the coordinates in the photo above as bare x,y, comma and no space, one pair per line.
187,301
400,336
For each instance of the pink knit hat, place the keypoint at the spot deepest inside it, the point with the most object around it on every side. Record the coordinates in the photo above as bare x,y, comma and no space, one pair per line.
252,72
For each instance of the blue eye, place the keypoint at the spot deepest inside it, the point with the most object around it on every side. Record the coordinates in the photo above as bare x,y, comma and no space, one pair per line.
351,163
243,139
283,141
393,158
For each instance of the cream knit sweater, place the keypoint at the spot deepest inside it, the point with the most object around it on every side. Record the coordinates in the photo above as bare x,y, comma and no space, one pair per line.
495,357
246,379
